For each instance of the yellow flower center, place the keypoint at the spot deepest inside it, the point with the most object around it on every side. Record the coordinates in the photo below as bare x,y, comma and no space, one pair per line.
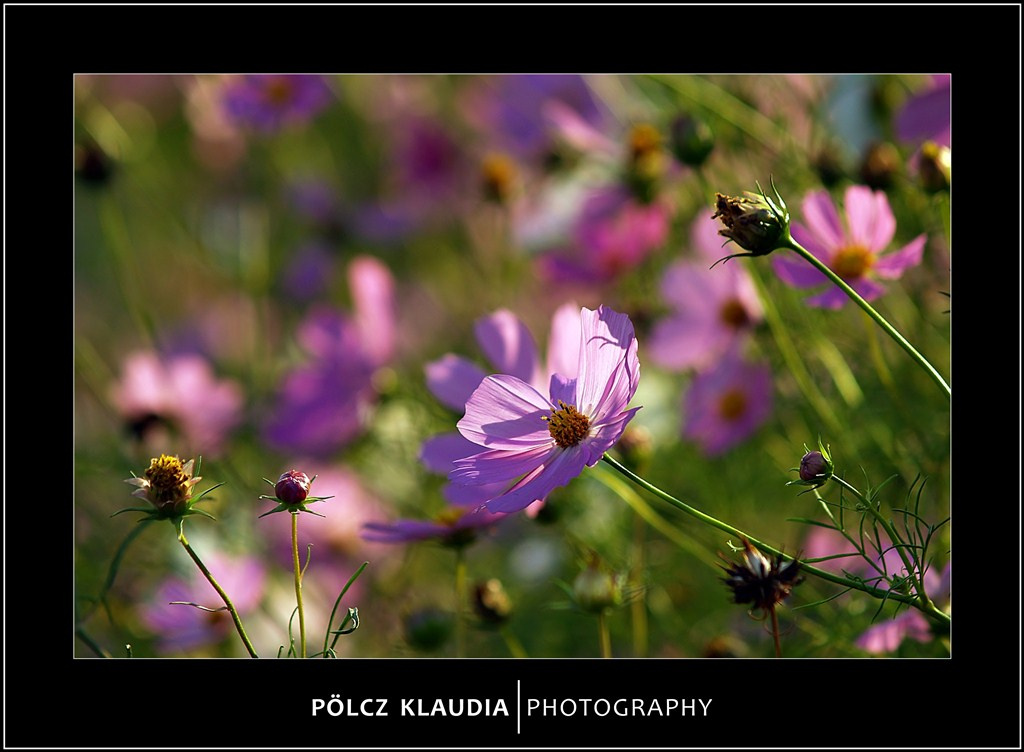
732,405
644,139
568,426
733,313
499,173
168,482
853,261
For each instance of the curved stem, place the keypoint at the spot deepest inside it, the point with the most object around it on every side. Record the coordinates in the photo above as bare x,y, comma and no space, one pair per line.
789,242
298,584
928,609
912,572
220,591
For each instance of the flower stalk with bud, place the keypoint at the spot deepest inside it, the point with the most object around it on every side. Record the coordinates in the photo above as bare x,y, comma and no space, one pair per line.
292,494
167,485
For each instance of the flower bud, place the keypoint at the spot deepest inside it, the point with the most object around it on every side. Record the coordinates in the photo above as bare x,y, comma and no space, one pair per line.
754,222
814,467
491,602
882,163
292,487
595,590
933,167
167,484
691,140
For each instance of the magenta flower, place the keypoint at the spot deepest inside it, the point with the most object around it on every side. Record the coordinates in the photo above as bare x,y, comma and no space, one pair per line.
713,310
182,627
269,103
855,249
536,443
322,402
613,233
727,403
180,394
509,348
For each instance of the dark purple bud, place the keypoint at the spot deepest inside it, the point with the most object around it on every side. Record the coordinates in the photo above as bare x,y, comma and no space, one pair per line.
292,487
814,467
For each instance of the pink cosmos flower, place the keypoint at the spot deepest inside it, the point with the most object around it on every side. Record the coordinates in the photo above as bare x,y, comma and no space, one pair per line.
179,393
182,627
713,309
536,443
855,249
322,402
510,348
613,233
727,403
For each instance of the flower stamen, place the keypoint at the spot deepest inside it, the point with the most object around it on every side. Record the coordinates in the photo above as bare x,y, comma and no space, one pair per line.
852,261
567,425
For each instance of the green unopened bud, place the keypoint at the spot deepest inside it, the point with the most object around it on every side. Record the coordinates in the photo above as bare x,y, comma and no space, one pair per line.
595,590
934,167
754,222
691,140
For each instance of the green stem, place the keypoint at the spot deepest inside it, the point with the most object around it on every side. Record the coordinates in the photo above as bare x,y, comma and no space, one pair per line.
337,603
789,242
460,598
220,591
928,609
298,583
912,572
606,639
515,647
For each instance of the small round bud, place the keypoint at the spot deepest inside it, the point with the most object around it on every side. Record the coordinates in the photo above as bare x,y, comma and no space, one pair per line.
491,602
752,221
691,140
814,467
292,487
595,590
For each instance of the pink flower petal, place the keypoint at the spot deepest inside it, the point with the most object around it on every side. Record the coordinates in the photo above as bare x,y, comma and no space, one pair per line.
439,452
683,341
795,271
892,265
562,466
500,464
505,413
607,355
822,220
564,342
452,379
373,298
509,346
869,218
